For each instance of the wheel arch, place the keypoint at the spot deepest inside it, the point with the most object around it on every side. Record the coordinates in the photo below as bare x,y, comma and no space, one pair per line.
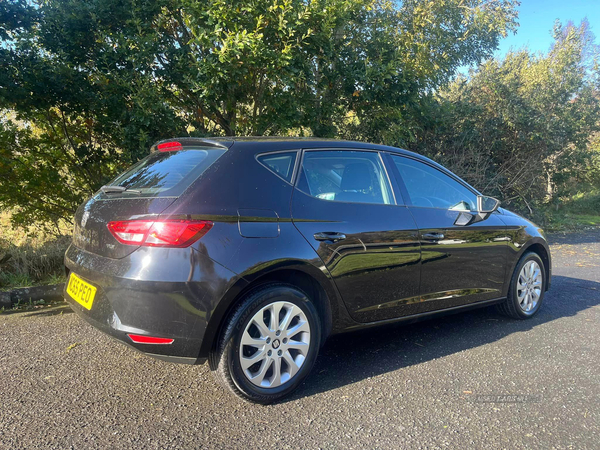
310,279
543,253
539,247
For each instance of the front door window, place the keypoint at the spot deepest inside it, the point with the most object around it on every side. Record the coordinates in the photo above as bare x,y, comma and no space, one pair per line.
431,188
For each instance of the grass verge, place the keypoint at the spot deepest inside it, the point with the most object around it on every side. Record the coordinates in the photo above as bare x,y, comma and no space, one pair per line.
573,214
29,257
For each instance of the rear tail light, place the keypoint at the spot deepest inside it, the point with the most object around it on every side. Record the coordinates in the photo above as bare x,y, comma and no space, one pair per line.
160,233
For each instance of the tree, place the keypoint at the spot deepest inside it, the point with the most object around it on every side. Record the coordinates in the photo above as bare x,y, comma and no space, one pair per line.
90,84
520,127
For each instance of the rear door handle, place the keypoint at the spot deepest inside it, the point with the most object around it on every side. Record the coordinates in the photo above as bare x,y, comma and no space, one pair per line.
433,236
329,236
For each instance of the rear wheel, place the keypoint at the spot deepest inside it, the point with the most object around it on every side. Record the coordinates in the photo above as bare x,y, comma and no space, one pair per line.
269,344
527,287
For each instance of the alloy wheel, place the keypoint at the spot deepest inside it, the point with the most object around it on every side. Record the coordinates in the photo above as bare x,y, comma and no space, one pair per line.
529,286
274,344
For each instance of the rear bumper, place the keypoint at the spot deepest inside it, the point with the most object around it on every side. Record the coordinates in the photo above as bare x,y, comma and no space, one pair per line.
152,292
121,336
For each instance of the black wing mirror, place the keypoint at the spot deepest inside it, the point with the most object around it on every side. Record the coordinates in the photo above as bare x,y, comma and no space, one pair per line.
485,207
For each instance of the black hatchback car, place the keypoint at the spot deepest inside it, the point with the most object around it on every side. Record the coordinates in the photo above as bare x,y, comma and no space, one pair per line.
250,252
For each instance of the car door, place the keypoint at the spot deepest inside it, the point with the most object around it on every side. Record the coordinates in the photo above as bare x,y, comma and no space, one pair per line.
459,264
345,207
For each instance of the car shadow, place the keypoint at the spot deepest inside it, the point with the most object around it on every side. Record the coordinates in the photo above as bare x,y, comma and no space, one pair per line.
54,311
352,357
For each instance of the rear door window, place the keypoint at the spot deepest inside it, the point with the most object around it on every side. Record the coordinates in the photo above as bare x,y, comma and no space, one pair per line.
165,174
345,176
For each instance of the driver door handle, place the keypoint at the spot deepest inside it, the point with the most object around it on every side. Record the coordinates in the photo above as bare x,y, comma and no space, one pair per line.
433,236
329,236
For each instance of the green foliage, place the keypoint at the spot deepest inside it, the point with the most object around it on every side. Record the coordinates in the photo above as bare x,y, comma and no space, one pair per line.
90,84
592,173
523,128
572,213
29,256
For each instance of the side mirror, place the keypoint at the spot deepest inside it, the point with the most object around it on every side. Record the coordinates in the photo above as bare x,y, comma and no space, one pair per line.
485,206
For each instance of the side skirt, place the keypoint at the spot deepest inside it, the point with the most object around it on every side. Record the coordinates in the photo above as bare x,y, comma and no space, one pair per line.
424,316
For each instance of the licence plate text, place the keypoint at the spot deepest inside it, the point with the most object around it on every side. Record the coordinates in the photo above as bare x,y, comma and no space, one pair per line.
82,292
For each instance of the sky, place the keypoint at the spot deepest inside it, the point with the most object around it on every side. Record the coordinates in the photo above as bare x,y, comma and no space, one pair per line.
536,21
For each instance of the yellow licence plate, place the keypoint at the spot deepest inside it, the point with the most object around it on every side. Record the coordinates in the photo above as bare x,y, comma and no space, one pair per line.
82,292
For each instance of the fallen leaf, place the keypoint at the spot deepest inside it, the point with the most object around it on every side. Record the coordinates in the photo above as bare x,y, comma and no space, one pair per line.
72,346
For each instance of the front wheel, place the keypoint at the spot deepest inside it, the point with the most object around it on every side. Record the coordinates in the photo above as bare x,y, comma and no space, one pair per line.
269,344
527,287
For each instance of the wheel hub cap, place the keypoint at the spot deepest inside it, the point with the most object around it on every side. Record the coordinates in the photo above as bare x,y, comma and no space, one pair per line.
529,286
274,344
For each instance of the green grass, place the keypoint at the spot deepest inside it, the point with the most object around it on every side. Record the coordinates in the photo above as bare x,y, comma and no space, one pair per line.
10,281
572,222
574,213
29,257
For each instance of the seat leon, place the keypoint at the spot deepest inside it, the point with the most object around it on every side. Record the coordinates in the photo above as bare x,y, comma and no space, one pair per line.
248,253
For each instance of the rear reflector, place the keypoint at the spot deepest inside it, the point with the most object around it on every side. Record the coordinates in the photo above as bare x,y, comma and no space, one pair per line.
172,146
160,233
149,339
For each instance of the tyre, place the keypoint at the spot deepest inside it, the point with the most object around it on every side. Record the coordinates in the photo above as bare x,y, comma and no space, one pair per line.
527,288
268,344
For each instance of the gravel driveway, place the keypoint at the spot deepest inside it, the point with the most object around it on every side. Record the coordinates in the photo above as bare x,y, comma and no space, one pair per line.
475,380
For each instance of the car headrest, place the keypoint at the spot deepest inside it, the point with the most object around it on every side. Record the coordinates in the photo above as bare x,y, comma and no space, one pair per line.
356,177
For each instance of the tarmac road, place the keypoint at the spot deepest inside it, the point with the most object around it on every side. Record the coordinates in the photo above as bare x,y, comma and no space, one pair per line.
474,380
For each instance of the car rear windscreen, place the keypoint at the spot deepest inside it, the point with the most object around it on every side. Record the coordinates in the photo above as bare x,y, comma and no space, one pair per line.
165,174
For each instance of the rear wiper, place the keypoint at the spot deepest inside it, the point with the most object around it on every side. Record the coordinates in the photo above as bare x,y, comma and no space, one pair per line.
118,190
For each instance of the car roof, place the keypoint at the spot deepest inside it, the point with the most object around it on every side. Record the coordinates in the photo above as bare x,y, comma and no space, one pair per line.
266,144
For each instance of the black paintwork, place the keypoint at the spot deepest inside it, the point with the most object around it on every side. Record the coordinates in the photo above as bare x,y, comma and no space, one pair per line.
392,265
377,262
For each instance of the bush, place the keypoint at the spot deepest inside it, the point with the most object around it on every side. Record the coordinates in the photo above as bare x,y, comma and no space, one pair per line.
524,128
29,256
